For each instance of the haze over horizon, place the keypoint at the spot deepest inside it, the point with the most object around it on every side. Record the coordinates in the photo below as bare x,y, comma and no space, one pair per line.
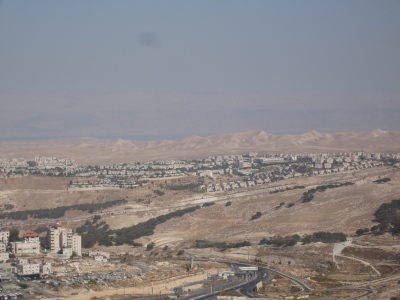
180,68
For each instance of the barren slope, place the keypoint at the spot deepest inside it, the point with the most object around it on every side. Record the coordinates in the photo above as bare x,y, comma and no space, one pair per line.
343,209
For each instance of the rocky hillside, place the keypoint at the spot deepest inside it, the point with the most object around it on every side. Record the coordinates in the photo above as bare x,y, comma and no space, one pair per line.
92,150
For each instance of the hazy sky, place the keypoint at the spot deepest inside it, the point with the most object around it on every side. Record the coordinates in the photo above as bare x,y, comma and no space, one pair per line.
176,68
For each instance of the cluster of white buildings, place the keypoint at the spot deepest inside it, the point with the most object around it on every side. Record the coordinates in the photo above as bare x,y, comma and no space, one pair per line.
30,244
64,241
61,242
40,165
99,255
232,185
313,164
29,267
332,162
43,163
130,172
104,184
348,161
175,168
13,167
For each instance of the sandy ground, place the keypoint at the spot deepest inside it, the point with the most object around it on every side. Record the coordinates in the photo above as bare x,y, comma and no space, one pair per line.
343,209
97,151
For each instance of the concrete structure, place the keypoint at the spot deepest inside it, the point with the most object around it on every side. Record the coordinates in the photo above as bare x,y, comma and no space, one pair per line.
31,237
99,255
30,244
206,173
3,247
4,236
25,247
28,269
226,274
93,253
77,244
45,268
5,277
100,258
249,268
6,268
21,261
67,252
191,261
64,240
4,257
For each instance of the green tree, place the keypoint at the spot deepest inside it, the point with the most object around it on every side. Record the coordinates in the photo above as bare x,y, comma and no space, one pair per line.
150,246
14,235
96,218
396,227
105,241
31,163
256,216
383,227
159,192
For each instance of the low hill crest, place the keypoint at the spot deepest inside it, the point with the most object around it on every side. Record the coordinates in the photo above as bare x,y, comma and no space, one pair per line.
90,150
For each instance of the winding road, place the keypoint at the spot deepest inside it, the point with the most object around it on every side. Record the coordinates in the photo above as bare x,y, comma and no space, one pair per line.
247,287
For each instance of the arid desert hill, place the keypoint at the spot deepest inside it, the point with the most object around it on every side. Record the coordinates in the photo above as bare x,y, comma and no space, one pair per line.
103,151
344,209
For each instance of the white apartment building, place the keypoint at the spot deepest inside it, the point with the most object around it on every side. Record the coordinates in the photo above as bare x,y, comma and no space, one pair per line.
45,268
25,247
3,247
4,256
4,236
206,173
28,269
30,244
31,237
21,261
67,252
77,244
60,238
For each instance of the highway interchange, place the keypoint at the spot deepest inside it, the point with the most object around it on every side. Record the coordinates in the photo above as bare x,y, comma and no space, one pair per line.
247,287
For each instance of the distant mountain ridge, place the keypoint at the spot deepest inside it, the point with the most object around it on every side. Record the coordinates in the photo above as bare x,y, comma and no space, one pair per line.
89,150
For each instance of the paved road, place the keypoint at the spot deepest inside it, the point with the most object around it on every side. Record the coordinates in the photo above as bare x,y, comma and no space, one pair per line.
247,287
364,292
302,284
228,287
